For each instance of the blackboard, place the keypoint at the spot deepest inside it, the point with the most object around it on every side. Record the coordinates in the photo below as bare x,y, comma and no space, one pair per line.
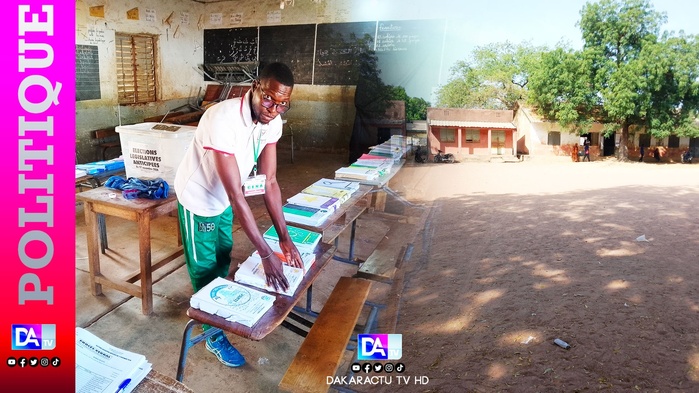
292,45
409,53
87,73
338,46
230,45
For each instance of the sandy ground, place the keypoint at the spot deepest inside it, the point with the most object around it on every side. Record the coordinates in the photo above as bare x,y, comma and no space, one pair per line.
514,255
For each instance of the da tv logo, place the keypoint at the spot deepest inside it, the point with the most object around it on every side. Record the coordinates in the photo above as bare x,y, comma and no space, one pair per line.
380,346
34,337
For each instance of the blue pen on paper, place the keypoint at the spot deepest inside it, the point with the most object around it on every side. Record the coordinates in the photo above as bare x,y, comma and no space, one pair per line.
123,385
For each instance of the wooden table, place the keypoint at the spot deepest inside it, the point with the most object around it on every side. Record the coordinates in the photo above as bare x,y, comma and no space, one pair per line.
156,382
275,316
344,216
111,203
381,186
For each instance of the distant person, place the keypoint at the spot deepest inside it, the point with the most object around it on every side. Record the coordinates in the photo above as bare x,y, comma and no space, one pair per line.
656,153
576,153
642,153
586,149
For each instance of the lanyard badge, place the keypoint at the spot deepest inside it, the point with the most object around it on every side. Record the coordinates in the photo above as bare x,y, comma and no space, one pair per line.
255,184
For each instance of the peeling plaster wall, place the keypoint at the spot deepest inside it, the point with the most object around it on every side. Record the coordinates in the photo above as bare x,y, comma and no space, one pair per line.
177,56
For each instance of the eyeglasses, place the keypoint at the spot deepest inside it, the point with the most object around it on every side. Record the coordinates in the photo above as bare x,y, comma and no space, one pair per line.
268,103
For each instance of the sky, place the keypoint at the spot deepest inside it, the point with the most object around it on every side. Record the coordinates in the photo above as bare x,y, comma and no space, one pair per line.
542,22
473,23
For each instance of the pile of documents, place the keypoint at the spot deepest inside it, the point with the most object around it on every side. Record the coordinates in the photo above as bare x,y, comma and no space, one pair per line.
394,148
251,272
232,301
95,168
304,240
101,367
317,202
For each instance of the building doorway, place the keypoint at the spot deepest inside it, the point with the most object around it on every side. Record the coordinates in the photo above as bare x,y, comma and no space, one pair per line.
694,146
497,142
608,146
383,134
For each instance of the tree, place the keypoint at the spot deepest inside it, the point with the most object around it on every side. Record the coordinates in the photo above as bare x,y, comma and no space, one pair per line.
495,77
415,107
625,76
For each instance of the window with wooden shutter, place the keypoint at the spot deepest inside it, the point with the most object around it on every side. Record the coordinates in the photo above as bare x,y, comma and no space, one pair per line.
135,58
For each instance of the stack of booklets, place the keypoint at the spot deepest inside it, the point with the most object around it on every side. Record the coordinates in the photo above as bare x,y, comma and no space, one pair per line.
341,195
315,201
338,184
310,209
101,367
251,272
381,164
232,301
357,173
304,240
393,148
305,215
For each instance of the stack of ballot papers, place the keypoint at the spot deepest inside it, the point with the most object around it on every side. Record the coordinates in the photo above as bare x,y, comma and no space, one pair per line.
304,240
101,367
351,186
357,173
232,301
381,164
305,215
251,272
341,195
315,201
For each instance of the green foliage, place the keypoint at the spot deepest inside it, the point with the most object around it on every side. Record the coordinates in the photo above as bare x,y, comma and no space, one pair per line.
495,77
415,107
626,74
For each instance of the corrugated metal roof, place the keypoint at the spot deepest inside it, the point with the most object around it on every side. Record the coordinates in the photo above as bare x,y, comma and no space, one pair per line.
472,124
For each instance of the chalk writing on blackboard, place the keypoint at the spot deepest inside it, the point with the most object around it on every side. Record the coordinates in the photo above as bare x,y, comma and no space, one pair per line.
339,48
230,45
87,73
393,37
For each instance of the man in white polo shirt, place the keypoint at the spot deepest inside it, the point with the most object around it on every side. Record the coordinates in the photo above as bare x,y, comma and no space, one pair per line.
234,154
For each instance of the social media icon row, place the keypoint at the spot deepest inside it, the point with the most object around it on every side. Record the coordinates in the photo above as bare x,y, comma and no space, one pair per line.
378,367
33,362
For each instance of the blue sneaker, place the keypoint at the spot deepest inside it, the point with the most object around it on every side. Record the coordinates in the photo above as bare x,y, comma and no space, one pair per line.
219,345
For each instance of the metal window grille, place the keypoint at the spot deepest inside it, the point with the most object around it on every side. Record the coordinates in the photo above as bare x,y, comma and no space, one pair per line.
135,58
446,135
473,136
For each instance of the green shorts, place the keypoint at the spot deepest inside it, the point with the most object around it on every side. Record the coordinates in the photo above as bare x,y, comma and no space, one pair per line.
207,243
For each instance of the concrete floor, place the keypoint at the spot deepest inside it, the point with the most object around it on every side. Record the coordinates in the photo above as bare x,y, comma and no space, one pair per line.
117,318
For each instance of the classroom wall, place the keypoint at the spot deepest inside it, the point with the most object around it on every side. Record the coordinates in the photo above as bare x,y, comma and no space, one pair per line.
322,116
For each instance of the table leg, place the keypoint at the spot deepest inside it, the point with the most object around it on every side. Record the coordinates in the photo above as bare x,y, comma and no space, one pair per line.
145,260
101,220
93,256
351,246
380,200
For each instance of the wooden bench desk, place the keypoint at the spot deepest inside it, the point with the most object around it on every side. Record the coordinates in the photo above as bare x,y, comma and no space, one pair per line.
322,350
275,316
98,202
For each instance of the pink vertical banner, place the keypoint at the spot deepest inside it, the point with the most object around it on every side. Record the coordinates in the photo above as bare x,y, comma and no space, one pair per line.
37,207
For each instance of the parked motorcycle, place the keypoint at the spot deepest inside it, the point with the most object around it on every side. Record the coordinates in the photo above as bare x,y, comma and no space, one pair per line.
687,157
447,158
